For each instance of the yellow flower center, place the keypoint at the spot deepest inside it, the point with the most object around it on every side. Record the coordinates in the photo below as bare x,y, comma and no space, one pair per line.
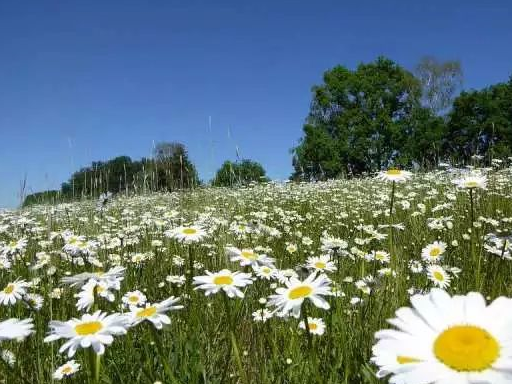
146,312
10,288
393,172
467,348
313,326
438,276
89,328
266,270
434,252
249,255
67,370
189,231
380,256
300,292
406,360
471,184
223,280
320,265
133,299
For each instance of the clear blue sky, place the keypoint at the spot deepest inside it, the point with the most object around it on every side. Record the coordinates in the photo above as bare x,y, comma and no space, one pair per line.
84,81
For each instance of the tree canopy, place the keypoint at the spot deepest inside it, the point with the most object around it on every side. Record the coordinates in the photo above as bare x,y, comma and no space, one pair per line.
380,115
239,173
361,121
480,123
169,169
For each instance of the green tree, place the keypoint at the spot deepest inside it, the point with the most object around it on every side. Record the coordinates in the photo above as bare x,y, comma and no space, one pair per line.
172,167
361,121
239,173
480,123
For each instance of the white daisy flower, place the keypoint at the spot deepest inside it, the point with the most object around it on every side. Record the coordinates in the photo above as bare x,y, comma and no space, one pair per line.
134,298
224,280
433,253
395,175
247,257
265,272
316,326
14,329
155,313
66,370
290,299
438,276
94,331
13,291
447,340
321,263
113,276
471,181
190,234
90,291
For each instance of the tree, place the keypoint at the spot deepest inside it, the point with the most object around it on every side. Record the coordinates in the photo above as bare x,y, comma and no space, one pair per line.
480,123
440,81
239,173
361,121
172,167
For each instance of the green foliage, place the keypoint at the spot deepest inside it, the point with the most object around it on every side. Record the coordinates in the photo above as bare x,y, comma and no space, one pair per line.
170,169
45,197
481,123
361,121
239,173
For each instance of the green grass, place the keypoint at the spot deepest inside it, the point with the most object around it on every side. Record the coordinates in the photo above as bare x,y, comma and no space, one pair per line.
197,345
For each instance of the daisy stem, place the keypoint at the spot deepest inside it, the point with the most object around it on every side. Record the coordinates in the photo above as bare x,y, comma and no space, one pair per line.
390,234
190,269
306,325
156,338
95,365
234,343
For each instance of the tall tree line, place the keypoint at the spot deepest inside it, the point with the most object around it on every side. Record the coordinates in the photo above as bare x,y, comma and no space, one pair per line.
381,115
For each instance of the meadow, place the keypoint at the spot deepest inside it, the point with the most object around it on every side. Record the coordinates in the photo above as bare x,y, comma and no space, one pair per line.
268,283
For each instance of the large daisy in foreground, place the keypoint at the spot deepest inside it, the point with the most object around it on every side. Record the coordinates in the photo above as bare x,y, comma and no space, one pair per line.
448,340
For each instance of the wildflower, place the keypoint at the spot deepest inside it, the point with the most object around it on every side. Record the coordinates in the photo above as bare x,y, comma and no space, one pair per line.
190,234
34,301
94,331
395,175
113,277
444,339
13,292
290,299
134,298
66,370
14,329
224,280
155,313
438,276
262,315
433,253
316,326
90,291
321,263
265,272
248,257
471,181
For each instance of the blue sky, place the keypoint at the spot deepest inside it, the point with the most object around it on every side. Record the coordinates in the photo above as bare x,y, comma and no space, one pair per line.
84,81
